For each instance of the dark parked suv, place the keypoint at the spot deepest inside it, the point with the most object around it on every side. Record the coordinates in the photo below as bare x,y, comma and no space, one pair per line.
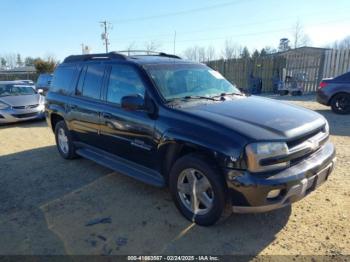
170,122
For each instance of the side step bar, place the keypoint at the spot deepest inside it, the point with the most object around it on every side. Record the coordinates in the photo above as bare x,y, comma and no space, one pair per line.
123,166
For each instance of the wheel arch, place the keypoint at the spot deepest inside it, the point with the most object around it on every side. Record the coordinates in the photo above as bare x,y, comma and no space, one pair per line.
172,150
54,119
335,94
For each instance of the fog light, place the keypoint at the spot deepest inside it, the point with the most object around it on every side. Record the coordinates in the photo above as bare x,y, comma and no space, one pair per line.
273,193
233,174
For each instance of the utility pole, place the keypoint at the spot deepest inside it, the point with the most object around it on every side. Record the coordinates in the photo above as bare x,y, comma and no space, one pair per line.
105,37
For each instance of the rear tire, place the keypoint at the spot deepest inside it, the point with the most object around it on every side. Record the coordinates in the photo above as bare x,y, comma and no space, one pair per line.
204,200
64,141
340,104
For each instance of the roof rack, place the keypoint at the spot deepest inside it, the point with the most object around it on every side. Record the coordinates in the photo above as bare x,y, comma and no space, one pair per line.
109,56
147,53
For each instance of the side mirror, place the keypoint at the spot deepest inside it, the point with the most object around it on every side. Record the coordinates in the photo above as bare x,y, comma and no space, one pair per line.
40,91
133,102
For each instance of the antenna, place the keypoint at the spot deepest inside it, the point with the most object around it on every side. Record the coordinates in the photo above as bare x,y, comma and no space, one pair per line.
175,42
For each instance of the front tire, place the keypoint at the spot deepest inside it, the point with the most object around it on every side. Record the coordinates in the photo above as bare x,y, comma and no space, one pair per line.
199,190
340,104
64,141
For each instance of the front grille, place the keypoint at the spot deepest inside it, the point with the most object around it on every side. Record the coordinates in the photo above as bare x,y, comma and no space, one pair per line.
26,107
25,115
300,149
300,158
300,140
303,147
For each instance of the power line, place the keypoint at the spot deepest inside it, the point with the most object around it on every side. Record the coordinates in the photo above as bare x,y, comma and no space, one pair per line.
167,35
250,34
183,12
261,32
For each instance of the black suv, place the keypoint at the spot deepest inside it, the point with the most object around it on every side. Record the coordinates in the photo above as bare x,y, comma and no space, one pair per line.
170,122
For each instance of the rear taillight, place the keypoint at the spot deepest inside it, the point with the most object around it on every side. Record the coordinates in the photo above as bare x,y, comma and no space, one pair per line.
323,84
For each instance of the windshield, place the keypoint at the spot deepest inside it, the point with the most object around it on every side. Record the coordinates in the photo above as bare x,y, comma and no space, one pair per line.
181,80
16,90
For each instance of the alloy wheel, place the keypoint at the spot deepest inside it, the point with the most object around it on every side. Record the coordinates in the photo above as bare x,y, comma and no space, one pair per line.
63,141
343,103
195,191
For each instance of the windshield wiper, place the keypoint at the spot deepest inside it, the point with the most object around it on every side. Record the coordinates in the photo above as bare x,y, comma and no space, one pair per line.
186,98
228,94
200,97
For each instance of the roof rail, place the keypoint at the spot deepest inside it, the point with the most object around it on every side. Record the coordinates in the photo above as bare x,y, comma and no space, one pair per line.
80,58
146,52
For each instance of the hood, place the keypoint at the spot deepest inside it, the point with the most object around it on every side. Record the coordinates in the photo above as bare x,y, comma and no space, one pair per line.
260,118
23,100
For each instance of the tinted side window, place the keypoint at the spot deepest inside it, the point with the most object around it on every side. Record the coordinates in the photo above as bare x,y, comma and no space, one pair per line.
93,81
62,79
43,80
124,80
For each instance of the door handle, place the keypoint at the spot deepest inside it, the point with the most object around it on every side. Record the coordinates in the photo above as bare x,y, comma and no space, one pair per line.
73,106
107,115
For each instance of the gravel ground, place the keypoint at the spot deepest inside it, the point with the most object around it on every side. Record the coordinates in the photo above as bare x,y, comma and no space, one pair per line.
49,206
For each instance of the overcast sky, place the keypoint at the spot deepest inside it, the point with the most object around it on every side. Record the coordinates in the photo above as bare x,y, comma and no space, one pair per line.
41,27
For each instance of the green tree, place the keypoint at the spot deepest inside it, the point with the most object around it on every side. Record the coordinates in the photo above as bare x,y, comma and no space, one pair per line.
42,66
263,52
3,62
29,61
256,54
284,45
19,60
245,53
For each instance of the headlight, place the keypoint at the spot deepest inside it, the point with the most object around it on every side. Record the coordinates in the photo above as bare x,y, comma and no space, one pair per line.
41,107
271,152
3,105
42,103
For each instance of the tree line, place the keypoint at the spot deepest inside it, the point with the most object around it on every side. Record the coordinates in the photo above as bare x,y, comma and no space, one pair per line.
230,50
41,65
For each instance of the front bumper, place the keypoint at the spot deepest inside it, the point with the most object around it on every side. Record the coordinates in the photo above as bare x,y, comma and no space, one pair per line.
16,115
249,192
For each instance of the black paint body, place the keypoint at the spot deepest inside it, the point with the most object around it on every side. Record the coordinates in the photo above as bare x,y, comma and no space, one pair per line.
154,139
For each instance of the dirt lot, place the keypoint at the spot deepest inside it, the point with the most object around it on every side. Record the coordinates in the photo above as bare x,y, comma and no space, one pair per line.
46,203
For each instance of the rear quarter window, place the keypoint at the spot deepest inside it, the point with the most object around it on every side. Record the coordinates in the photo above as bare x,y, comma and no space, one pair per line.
63,78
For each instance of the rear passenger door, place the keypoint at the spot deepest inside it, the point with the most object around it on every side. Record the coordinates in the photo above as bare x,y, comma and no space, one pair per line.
85,107
128,134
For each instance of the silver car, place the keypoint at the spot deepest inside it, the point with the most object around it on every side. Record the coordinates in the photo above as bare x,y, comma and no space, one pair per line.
20,102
